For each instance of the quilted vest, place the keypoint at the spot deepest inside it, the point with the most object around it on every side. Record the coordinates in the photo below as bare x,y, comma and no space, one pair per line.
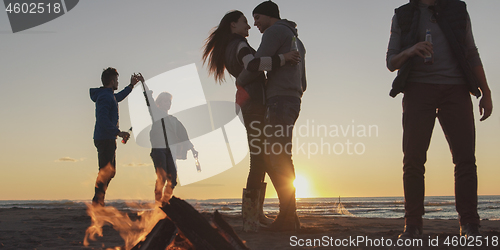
451,16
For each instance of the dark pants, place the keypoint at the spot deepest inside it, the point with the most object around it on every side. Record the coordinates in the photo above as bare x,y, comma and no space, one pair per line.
282,112
254,120
452,105
165,170
106,154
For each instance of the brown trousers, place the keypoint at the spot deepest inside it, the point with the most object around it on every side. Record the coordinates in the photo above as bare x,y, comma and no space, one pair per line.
452,105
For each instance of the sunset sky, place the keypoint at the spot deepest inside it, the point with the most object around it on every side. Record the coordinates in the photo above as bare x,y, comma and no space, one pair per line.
46,144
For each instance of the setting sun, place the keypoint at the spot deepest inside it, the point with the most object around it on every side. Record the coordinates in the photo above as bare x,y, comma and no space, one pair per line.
302,187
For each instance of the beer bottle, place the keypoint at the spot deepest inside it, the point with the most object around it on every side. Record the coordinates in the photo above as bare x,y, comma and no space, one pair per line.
196,161
294,46
125,140
429,58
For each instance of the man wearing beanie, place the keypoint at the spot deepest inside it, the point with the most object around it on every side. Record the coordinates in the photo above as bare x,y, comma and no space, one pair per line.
284,89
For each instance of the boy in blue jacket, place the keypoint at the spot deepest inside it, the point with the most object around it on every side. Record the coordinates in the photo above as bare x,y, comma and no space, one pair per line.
107,128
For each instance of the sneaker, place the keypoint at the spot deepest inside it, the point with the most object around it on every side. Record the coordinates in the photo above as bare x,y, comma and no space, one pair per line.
470,229
411,232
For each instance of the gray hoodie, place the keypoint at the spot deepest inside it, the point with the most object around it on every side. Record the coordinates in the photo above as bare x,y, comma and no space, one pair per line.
289,80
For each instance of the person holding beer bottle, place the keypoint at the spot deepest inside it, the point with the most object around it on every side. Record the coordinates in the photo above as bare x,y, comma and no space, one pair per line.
436,76
106,128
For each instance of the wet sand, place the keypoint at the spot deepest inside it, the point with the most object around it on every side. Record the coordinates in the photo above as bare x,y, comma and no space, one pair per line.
65,229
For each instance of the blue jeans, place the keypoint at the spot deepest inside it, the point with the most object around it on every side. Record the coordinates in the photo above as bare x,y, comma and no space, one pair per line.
282,112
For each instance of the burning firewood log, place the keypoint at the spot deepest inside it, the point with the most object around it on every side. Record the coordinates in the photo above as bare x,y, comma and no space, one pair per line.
199,231
160,237
186,228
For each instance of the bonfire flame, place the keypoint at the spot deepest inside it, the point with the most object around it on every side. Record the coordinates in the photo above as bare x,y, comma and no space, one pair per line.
167,192
163,187
131,231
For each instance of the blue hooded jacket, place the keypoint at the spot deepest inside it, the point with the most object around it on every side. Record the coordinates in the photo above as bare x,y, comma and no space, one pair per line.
106,111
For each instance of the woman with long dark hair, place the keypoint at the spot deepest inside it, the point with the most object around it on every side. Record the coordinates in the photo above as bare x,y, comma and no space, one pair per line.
227,48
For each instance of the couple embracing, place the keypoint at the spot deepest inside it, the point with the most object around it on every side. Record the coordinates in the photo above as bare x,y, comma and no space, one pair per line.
272,100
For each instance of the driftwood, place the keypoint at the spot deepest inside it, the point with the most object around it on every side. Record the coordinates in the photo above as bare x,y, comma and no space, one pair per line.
186,228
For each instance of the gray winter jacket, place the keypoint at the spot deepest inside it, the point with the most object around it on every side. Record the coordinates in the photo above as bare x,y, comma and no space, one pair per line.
288,80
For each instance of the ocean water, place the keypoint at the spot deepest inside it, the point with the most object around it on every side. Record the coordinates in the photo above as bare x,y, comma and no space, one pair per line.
436,207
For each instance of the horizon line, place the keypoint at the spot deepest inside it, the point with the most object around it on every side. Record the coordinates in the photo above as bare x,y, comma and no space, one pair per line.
336,197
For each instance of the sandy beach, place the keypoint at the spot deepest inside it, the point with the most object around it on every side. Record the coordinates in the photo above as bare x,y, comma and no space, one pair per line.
65,229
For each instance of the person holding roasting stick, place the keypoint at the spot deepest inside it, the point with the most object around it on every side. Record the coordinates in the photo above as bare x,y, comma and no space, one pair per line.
169,141
106,128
